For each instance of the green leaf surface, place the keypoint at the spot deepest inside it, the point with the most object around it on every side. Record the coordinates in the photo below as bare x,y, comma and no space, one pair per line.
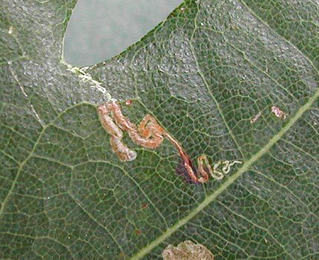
204,73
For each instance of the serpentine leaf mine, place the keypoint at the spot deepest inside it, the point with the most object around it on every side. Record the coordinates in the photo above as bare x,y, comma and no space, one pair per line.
150,135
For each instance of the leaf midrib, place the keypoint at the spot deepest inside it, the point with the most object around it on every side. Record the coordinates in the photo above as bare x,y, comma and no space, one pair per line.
229,181
246,165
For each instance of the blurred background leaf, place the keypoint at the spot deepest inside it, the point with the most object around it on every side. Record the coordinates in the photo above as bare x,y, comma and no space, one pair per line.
101,29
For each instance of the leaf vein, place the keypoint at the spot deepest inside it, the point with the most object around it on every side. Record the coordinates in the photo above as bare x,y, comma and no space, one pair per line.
228,182
279,35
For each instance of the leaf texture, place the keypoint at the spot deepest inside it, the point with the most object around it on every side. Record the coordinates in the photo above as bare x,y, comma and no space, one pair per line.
204,73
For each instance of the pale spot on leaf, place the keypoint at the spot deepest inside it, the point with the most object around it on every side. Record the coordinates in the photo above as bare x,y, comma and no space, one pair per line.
187,250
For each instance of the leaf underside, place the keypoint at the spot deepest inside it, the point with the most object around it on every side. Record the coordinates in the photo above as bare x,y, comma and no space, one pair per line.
204,73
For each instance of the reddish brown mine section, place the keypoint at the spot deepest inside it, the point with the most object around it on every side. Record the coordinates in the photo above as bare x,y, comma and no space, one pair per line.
182,171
